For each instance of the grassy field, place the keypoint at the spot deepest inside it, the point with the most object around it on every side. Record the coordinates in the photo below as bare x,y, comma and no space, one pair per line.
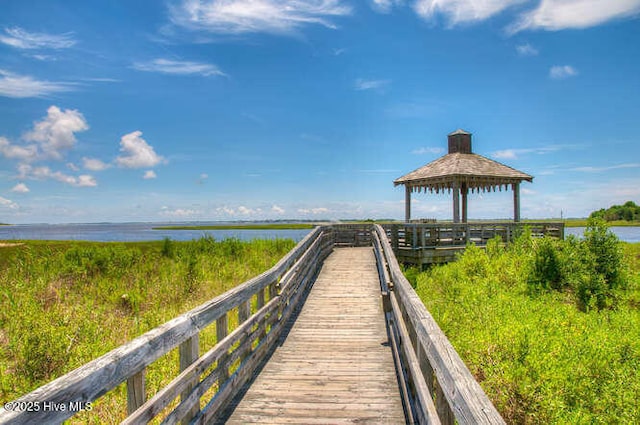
66,303
529,322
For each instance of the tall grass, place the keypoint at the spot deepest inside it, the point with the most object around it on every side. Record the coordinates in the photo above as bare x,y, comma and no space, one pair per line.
66,303
550,329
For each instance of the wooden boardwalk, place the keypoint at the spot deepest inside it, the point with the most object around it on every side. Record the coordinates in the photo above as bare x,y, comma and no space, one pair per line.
336,365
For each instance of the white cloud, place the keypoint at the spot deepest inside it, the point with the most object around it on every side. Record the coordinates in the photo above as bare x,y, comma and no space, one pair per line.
314,211
21,39
462,11
137,153
506,154
12,151
45,173
179,212
19,86
245,211
278,210
559,72
362,84
49,137
56,132
590,169
149,175
385,6
556,15
8,203
427,150
255,16
526,50
20,188
93,164
168,66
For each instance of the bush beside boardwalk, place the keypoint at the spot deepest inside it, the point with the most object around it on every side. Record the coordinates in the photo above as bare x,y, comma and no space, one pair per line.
549,328
66,303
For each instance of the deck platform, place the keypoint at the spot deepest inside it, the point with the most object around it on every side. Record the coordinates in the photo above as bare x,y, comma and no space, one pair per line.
335,365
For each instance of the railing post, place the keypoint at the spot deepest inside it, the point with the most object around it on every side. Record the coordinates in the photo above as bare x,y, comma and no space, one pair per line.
442,407
189,353
244,312
222,329
136,391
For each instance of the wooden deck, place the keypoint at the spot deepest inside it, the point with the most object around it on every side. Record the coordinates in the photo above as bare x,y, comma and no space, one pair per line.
336,365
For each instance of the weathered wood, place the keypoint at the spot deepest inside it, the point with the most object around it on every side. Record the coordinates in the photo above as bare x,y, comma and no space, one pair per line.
326,354
345,365
136,391
189,352
99,376
462,393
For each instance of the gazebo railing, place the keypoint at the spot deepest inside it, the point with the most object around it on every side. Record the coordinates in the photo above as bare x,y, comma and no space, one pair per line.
415,236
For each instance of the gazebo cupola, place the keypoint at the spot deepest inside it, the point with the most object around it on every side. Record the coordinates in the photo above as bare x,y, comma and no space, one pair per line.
459,172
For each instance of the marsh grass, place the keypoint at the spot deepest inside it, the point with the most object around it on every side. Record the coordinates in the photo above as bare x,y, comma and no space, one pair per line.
66,303
541,356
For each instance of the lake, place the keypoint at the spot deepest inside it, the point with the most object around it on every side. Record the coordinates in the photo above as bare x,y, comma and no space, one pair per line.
135,232
626,234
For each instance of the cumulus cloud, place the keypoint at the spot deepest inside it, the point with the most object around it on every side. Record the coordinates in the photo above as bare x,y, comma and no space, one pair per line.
556,15
93,164
255,16
560,72
136,152
11,151
179,212
20,188
56,132
23,86
314,211
8,203
49,138
45,173
168,66
22,39
278,210
149,175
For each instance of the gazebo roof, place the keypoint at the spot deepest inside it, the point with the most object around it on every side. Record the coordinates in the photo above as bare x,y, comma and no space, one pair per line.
462,167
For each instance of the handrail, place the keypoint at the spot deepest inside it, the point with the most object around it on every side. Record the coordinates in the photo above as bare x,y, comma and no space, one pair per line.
451,235
283,284
444,389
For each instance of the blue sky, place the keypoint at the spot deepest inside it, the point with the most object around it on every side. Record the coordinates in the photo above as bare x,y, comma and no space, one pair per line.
309,109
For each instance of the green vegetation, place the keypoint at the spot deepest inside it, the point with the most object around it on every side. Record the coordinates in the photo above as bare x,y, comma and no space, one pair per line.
629,212
265,226
549,328
66,303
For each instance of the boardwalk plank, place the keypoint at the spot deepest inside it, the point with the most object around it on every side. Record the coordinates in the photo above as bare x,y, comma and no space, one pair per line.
335,365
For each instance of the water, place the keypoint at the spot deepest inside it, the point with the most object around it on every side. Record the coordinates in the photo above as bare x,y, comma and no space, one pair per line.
626,234
135,232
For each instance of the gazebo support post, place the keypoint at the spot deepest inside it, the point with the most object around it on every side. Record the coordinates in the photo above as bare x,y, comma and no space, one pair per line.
456,202
465,192
407,203
516,201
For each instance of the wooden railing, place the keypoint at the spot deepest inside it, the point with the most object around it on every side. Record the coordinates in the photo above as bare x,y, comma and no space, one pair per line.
445,235
436,385
262,305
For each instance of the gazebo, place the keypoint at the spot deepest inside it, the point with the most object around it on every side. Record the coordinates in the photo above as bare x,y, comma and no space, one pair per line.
461,171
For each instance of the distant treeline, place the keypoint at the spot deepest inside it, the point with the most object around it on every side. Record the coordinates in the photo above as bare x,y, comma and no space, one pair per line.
629,212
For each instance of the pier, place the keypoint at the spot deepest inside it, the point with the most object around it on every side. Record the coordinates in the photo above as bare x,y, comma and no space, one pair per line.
333,333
